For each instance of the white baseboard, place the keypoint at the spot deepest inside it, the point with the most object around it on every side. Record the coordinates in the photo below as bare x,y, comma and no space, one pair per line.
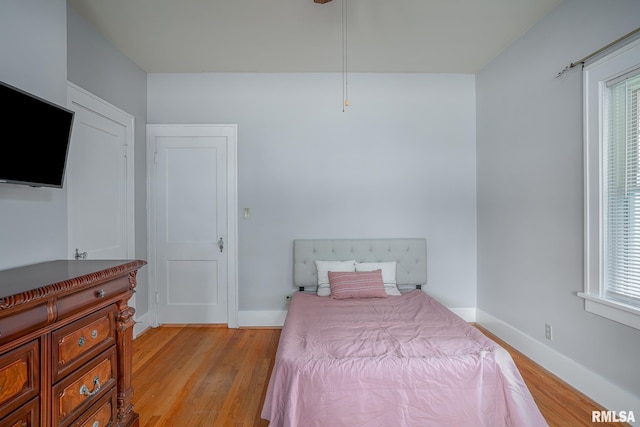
142,323
468,314
261,318
591,384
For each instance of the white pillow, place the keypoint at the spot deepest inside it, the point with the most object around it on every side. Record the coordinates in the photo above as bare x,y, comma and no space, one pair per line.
324,267
388,274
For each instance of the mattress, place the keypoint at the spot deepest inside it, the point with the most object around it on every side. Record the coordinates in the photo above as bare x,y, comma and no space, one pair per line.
396,361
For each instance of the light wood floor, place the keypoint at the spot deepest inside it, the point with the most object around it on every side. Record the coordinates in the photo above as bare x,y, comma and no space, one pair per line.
213,376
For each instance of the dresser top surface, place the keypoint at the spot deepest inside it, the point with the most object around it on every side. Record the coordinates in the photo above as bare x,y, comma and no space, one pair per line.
46,274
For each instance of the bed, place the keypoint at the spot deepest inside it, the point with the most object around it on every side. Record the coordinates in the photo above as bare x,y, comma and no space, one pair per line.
397,360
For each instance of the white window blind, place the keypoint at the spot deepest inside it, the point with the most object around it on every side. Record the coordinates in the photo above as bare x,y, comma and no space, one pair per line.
621,157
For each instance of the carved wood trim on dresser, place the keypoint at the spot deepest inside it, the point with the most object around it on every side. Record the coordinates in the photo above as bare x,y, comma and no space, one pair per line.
66,334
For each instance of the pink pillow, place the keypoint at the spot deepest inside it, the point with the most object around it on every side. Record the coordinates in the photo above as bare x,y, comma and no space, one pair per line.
361,284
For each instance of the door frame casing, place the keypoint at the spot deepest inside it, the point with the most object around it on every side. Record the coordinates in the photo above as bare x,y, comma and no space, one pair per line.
154,130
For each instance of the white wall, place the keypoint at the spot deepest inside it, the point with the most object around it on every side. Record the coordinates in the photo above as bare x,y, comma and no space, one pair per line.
399,163
530,190
98,67
33,48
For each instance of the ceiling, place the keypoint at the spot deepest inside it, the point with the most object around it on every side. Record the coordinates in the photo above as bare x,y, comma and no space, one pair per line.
385,36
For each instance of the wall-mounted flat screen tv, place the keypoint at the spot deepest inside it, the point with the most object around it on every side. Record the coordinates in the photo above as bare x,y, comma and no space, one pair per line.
35,139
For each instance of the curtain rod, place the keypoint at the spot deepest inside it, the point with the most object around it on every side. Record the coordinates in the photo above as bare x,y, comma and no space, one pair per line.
591,55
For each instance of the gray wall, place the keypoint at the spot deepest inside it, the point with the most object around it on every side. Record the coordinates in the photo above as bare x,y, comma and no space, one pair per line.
399,163
37,58
33,48
98,67
530,188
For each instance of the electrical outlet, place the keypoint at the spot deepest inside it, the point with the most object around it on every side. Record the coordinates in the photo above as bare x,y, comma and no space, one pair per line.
287,299
547,332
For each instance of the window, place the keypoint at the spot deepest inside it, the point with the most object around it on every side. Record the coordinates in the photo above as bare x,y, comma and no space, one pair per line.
612,186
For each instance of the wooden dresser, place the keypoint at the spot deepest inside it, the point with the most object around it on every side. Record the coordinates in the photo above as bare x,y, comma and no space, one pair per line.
66,336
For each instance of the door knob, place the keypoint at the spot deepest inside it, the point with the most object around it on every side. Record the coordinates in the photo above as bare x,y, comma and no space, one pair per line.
80,255
221,244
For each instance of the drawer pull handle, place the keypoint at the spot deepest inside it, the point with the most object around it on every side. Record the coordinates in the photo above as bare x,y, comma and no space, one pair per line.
84,390
81,342
101,293
94,334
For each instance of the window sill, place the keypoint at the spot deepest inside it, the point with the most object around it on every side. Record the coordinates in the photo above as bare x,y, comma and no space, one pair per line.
612,310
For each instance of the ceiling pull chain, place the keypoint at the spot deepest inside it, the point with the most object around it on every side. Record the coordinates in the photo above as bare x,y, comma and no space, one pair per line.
345,77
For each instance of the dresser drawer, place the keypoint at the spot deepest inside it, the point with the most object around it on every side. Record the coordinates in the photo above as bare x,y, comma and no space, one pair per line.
89,297
81,389
27,416
80,341
19,376
23,320
102,414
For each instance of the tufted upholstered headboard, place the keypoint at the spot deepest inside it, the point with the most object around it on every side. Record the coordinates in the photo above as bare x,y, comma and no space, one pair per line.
410,255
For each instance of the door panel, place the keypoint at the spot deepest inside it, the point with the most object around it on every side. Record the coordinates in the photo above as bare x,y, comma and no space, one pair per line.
191,216
99,179
192,282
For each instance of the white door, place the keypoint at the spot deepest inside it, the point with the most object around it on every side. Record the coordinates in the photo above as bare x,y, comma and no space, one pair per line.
99,179
190,207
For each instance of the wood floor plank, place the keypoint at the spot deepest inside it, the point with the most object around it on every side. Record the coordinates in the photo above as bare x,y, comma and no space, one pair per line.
166,376
207,380
159,337
198,376
211,376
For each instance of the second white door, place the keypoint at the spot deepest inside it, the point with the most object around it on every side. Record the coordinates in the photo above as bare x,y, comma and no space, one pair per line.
100,179
191,232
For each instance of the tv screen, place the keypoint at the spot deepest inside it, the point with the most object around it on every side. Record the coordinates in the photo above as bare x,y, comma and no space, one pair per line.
35,139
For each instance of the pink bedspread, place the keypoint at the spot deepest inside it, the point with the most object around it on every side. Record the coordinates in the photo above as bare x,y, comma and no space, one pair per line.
396,361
